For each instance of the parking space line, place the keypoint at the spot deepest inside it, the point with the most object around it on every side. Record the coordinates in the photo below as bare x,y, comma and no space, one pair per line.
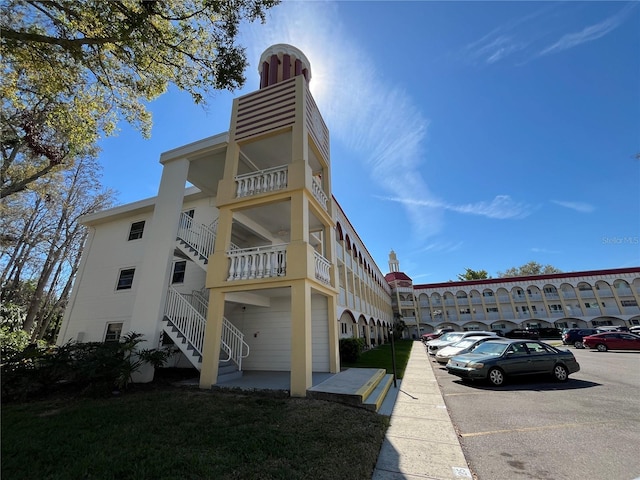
533,429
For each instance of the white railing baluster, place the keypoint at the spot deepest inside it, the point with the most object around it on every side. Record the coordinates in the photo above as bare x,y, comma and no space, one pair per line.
322,268
257,262
268,180
316,190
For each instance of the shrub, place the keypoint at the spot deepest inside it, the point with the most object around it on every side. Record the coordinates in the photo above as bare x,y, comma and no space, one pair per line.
350,349
93,368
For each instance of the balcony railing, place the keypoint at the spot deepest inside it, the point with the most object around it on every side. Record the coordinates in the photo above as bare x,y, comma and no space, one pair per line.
257,262
269,180
319,195
199,237
322,268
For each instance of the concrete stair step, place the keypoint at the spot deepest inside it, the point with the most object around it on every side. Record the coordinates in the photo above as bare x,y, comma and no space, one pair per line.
377,396
354,387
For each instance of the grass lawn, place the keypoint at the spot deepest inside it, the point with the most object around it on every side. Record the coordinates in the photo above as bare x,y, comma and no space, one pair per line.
178,433
380,357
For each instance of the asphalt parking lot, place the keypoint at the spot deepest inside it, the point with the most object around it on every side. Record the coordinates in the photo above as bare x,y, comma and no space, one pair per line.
588,427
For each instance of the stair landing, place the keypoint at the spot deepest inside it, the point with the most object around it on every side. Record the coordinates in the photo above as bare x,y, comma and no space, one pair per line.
362,387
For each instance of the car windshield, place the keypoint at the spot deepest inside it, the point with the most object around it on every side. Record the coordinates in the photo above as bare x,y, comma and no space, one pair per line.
464,343
450,337
490,348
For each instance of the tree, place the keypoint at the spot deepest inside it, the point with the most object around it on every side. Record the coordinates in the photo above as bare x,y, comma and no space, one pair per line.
528,269
72,69
473,275
37,269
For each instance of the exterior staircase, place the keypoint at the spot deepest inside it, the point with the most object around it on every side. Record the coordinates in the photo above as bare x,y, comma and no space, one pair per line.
196,241
184,322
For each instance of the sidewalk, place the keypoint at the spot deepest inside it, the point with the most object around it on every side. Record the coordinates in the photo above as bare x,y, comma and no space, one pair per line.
421,442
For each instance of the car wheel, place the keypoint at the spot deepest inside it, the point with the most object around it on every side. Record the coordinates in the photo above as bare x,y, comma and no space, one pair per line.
496,377
560,373
602,347
578,344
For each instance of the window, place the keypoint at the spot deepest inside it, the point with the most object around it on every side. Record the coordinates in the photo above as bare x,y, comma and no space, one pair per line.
178,271
113,332
125,281
136,230
492,309
629,303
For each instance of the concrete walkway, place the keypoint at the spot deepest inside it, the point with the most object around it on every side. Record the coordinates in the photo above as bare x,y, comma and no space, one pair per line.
421,442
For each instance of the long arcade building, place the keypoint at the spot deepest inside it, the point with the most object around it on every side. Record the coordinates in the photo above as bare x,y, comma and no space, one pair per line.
562,300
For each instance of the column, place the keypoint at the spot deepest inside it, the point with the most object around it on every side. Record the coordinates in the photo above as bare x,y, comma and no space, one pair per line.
152,276
301,361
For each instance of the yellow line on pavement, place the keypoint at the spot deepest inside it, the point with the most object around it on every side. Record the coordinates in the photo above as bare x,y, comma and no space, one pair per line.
533,429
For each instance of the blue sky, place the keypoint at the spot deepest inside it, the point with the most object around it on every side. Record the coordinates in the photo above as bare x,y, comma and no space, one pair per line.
463,134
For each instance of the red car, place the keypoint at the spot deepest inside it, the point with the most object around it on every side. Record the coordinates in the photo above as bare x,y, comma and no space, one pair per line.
437,334
612,341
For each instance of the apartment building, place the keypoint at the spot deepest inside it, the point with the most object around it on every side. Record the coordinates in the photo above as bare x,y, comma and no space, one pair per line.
563,300
243,260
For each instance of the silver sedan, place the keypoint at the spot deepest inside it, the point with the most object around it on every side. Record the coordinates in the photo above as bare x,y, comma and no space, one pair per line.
465,345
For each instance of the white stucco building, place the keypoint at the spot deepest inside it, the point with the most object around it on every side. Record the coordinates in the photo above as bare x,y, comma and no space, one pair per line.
254,263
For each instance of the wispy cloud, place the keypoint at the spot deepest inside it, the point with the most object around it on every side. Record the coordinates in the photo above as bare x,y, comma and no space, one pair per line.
502,207
590,33
375,120
577,206
525,38
502,42
445,247
543,250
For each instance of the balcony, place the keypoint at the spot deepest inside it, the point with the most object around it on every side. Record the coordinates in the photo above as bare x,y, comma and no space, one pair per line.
587,294
257,262
322,268
268,180
319,195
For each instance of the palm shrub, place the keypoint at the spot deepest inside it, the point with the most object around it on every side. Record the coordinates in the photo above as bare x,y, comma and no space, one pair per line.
93,368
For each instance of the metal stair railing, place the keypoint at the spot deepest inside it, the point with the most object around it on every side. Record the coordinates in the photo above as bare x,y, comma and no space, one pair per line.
186,318
199,237
184,315
233,343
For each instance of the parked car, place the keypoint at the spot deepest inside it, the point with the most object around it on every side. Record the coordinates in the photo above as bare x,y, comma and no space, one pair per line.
465,345
521,333
453,337
612,341
547,332
437,334
573,336
496,360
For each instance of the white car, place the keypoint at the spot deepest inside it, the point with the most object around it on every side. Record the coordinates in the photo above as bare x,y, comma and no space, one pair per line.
465,345
450,338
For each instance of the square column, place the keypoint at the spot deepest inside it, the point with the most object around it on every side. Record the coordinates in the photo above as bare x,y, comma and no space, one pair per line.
301,349
152,276
212,338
